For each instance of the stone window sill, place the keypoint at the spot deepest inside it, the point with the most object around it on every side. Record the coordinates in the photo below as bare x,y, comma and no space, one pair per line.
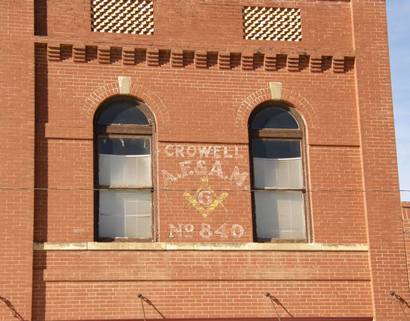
162,246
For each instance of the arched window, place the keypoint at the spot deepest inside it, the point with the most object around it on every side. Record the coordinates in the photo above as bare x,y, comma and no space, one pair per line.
278,183
123,142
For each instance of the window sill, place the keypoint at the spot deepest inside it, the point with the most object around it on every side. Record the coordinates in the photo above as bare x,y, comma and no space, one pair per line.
161,246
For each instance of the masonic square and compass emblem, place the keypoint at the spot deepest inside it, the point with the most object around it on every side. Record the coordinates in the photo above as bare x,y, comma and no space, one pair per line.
205,200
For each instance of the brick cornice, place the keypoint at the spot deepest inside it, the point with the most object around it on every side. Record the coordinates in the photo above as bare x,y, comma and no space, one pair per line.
223,59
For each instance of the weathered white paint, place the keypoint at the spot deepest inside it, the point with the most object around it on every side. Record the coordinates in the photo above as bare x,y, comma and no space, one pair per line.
206,231
202,168
204,161
202,151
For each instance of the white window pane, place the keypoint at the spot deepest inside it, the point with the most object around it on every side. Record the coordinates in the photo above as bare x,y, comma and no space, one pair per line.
141,205
120,208
138,170
280,215
110,203
138,227
110,226
278,173
125,170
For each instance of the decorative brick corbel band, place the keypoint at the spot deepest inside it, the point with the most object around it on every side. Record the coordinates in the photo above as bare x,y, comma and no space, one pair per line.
177,58
54,52
104,55
128,55
201,59
152,57
224,60
79,53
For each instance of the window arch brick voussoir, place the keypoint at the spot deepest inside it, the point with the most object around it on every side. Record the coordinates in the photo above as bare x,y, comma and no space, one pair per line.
302,105
150,98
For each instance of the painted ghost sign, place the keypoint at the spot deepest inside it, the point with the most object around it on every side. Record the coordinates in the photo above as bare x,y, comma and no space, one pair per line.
205,200
206,162
206,231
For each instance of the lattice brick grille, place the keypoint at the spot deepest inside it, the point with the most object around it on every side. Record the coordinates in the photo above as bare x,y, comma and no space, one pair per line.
123,16
278,24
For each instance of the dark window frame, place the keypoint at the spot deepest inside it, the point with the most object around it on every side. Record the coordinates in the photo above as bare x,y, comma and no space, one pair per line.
124,131
282,135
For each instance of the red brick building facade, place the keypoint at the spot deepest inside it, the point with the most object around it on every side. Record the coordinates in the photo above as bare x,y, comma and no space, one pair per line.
199,73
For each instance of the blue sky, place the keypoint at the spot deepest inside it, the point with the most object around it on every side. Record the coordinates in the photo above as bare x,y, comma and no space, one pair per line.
399,38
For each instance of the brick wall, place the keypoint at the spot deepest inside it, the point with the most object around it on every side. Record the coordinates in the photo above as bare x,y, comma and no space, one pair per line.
17,166
201,80
382,202
206,127
199,284
406,227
